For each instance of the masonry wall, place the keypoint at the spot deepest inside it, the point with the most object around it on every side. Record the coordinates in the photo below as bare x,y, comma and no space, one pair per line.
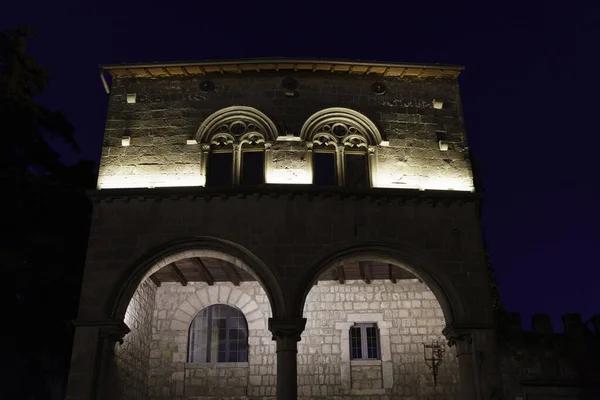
170,373
131,357
169,111
407,315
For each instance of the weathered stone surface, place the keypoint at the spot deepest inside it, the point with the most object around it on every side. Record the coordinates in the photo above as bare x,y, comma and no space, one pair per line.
323,350
169,111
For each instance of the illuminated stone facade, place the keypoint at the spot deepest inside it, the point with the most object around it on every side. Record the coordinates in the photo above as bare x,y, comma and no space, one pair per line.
409,317
169,112
212,193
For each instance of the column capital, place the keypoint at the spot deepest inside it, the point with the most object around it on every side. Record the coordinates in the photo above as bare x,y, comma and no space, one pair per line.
464,332
110,329
286,327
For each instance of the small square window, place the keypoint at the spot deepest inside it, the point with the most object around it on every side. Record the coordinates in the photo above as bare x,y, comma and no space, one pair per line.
364,342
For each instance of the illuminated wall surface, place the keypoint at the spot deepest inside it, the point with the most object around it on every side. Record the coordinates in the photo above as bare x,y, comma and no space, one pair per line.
169,112
407,314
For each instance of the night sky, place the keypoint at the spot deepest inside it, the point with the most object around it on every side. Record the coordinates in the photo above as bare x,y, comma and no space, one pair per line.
530,93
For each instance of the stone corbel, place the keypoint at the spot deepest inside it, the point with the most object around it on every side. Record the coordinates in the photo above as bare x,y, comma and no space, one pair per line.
462,339
110,330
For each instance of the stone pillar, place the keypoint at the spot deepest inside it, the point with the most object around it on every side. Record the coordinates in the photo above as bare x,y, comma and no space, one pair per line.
111,333
92,358
286,332
466,365
476,350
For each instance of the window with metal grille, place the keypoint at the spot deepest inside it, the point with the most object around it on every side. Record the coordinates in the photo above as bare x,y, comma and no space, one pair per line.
218,333
364,342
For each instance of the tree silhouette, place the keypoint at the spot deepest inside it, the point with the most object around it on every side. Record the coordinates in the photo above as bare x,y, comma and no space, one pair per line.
43,233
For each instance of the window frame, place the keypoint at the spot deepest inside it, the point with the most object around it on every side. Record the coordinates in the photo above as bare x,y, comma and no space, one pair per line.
364,341
340,151
237,151
246,148
220,150
205,336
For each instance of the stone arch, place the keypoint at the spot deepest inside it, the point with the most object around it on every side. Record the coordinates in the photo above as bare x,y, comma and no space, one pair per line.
360,131
218,294
194,247
233,123
400,254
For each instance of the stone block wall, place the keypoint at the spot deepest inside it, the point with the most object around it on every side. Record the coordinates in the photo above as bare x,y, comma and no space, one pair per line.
407,315
169,111
171,374
131,357
543,364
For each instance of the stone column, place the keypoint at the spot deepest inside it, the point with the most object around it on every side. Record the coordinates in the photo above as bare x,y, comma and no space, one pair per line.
477,353
92,358
466,363
286,332
466,366
111,333
339,159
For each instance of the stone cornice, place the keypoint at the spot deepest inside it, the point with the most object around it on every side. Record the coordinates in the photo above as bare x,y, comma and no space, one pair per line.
375,195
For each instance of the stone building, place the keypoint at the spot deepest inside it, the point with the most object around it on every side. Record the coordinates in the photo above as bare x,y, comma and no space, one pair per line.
286,229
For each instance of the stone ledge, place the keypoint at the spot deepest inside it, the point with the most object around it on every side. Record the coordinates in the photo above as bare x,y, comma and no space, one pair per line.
216,365
277,190
365,363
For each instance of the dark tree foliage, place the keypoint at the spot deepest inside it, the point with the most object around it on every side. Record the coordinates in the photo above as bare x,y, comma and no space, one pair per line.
43,232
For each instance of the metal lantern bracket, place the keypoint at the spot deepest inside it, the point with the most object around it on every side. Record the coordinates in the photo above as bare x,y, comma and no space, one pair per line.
434,356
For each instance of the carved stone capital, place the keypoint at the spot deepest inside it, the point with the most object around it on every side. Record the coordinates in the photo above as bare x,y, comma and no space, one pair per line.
460,338
110,330
287,331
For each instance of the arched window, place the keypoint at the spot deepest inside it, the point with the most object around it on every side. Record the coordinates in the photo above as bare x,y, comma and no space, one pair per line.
236,144
218,333
342,143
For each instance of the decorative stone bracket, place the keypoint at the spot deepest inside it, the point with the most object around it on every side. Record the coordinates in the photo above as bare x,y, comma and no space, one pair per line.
110,330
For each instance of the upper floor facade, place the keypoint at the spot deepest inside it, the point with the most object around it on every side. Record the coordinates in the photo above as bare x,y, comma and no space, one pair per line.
330,123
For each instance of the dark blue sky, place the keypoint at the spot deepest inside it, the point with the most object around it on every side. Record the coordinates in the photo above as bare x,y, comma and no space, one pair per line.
530,92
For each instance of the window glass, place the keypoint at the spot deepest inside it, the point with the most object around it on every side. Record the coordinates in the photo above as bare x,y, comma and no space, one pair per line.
364,342
356,171
218,333
355,343
253,168
220,169
324,169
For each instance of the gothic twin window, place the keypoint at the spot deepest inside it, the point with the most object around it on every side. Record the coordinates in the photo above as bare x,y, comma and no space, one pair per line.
236,144
364,342
341,141
218,333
